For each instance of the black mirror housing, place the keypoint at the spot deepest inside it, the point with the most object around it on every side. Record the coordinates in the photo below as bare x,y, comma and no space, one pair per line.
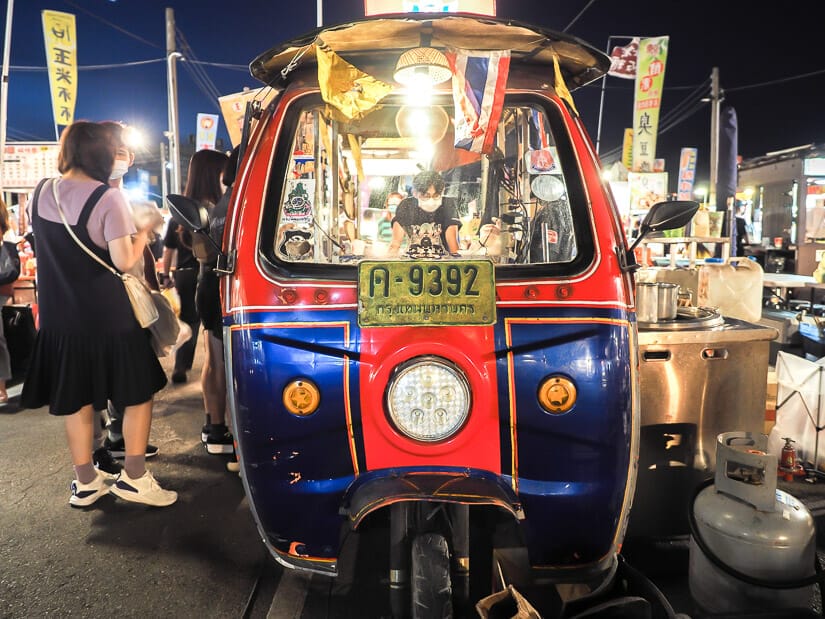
188,213
666,216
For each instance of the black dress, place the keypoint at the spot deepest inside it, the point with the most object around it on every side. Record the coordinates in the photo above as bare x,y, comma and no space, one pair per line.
90,348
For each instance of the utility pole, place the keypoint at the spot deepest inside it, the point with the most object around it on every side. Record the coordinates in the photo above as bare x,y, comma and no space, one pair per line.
4,90
714,135
172,89
164,185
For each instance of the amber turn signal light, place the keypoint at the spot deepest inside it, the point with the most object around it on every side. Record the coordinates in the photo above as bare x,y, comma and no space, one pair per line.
557,394
301,397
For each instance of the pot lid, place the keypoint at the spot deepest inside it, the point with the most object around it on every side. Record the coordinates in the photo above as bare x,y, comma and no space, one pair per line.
687,318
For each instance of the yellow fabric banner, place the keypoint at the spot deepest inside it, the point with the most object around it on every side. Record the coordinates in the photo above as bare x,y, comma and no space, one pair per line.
61,60
650,79
348,89
560,86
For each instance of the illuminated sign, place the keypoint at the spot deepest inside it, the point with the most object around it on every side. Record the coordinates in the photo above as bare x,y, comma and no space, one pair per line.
25,163
815,166
384,7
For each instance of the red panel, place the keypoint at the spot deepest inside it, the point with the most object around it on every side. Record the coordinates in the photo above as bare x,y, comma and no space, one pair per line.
477,444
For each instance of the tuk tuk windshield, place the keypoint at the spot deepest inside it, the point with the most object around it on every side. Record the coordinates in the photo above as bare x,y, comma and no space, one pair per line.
394,185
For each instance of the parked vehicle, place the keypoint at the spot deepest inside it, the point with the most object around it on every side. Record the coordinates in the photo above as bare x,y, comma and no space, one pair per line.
491,386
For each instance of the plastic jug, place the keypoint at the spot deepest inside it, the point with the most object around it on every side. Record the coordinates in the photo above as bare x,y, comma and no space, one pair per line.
701,223
733,287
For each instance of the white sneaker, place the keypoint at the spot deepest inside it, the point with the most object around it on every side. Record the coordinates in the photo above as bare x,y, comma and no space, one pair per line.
143,490
84,495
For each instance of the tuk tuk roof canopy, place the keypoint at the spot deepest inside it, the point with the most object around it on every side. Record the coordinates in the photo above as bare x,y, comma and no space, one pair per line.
580,62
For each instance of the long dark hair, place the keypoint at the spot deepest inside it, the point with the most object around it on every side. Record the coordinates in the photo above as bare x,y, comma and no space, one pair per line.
4,218
203,180
89,147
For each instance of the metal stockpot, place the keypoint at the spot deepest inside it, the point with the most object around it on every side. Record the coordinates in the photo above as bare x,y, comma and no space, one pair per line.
656,301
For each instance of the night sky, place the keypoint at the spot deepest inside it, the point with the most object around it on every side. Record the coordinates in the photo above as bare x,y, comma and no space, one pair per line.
759,51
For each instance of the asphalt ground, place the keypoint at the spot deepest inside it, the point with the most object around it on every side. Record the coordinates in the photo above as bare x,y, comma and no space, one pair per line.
201,557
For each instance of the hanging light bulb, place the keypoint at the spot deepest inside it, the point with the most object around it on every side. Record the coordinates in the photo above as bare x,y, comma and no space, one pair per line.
422,64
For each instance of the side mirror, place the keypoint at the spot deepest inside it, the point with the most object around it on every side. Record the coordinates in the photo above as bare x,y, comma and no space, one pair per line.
193,217
665,216
188,213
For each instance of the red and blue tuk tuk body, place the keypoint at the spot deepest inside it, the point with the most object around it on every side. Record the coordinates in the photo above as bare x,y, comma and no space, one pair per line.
339,378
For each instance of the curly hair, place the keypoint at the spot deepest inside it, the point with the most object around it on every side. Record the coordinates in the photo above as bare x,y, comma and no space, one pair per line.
427,178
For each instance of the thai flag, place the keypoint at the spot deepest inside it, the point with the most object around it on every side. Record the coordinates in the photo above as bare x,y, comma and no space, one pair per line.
479,80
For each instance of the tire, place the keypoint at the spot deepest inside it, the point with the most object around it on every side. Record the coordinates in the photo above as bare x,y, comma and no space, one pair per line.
430,586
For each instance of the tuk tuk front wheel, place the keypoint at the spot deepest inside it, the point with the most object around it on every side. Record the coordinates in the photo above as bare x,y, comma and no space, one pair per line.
431,588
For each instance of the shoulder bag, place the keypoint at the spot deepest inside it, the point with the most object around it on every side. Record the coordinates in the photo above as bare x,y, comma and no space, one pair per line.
139,294
9,263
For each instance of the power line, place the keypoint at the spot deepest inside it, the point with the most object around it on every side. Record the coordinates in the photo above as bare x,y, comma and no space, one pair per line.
202,79
136,63
576,18
111,25
94,67
25,136
774,82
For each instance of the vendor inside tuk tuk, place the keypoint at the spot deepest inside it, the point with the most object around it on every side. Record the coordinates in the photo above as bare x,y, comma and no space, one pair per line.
428,219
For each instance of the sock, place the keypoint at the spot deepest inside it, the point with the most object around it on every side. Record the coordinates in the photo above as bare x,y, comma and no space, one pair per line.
85,473
135,466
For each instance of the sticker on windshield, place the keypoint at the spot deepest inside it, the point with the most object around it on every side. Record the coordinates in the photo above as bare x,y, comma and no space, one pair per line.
297,207
541,161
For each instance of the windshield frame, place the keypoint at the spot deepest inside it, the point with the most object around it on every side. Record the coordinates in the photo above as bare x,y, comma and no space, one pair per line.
570,162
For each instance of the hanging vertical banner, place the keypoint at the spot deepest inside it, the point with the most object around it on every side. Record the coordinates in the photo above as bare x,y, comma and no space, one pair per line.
207,131
650,78
61,61
627,148
687,174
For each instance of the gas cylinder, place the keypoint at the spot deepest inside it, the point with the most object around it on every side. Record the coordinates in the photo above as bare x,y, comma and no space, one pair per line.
753,528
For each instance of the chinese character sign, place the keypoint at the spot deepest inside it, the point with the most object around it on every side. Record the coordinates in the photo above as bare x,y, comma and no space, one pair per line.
650,78
207,131
687,173
623,60
61,60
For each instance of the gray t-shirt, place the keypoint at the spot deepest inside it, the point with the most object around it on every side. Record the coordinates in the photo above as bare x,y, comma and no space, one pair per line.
111,218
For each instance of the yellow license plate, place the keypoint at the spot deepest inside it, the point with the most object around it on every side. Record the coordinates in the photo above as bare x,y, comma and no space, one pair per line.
426,292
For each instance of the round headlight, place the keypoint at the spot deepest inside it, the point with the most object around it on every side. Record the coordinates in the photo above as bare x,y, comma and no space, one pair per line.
428,399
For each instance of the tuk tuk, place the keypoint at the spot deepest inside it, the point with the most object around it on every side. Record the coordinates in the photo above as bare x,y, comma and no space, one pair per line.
463,362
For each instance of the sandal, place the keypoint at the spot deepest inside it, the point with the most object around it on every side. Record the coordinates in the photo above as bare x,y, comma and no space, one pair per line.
4,398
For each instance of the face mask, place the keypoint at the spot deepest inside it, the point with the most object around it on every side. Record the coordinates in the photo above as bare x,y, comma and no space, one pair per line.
429,204
120,168
392,206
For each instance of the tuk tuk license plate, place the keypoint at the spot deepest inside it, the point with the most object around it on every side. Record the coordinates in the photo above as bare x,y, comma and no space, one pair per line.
426,292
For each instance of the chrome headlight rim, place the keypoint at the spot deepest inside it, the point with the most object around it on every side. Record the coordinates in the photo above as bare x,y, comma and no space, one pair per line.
410,365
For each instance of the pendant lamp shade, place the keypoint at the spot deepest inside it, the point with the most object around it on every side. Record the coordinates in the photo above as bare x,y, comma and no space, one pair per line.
422,63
